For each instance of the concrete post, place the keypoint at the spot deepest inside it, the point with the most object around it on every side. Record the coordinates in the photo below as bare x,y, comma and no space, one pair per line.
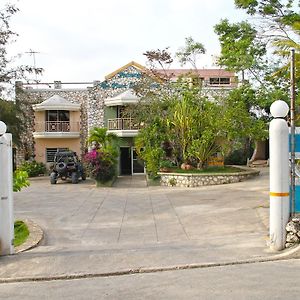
279,175
6,195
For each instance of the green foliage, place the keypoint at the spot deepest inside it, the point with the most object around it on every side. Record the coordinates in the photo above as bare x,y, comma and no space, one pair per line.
236,157
148,145
108,142
100,165
166,164
189,121
20,180
8,71
172,181
21,233
240,49
9,114
33,168
190,52
101,162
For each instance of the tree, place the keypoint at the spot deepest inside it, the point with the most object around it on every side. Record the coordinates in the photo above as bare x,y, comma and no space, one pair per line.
279,27
9,114
9,111
240,49
8,72
190,52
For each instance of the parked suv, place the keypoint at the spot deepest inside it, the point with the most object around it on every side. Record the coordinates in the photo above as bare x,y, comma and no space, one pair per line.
67,165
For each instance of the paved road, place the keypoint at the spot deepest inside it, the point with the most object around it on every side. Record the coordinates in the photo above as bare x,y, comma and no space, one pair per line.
92,230
271,280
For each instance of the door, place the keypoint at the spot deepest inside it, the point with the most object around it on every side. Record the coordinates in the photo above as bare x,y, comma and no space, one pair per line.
137,163
125,161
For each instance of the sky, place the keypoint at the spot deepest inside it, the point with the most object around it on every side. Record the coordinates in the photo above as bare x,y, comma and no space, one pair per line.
84,41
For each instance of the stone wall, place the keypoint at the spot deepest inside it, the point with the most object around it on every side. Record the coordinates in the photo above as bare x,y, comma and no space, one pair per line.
27,97
196,180
91,100
293,232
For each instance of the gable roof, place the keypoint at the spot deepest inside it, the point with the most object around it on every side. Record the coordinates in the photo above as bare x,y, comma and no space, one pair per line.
131,64
56,102
124,98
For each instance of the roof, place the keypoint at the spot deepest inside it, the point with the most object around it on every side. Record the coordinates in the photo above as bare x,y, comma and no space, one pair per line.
131,64
201,72
56,102
127,97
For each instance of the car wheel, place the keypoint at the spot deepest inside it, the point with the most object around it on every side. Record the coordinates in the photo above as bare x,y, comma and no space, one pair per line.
53,178
74,177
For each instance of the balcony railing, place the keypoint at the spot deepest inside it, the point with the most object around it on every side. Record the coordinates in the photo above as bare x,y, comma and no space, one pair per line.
122,124
57,126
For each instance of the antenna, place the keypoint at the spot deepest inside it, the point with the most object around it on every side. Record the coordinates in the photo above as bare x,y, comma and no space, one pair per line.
33,53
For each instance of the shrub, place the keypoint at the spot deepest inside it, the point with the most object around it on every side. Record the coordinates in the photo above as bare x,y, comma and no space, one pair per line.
33,168
20,180
236,157
100,165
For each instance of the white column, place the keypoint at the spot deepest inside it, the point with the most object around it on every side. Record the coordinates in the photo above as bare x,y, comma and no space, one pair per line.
279,175
6,196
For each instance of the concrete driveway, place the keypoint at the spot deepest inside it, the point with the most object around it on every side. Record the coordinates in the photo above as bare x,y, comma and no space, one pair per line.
91,230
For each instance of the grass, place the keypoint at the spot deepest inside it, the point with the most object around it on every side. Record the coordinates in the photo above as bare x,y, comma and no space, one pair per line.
21,233
208,170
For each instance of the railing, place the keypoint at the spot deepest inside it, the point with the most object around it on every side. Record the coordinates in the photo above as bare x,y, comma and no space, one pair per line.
122,124
57,126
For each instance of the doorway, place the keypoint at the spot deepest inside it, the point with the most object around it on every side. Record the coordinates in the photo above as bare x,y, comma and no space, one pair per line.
125,161
137,163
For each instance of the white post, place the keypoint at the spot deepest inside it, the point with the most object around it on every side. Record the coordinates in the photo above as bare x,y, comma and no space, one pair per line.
6,193
279,175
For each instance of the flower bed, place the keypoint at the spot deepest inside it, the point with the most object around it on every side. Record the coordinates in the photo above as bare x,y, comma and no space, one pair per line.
201,179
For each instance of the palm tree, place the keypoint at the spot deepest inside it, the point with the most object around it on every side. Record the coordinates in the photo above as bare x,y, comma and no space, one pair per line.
106,141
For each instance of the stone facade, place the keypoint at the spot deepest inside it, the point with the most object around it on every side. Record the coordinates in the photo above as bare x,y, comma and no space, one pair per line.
196,180
91,100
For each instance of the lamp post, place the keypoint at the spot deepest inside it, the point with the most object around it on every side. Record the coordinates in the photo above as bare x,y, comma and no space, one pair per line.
6,193
279,175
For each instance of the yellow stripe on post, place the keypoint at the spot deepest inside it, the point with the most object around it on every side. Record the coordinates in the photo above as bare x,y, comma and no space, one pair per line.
279,194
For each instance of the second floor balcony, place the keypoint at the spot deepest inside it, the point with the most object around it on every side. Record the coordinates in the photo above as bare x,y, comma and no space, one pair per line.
123,127
56,129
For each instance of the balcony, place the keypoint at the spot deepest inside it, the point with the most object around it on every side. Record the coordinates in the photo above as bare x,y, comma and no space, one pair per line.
123,127
57,129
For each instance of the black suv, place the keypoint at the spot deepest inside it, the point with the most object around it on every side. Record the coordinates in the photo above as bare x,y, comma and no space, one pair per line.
66,165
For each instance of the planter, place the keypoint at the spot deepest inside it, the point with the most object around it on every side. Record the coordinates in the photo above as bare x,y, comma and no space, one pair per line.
196,180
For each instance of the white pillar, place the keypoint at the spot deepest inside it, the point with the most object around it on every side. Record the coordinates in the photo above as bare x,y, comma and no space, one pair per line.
6,195
279,175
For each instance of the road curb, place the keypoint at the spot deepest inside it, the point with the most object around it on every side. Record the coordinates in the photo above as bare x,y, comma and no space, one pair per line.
36,235
146,270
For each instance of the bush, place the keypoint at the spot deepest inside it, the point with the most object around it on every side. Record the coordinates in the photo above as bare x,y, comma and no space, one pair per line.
33,168
100,165
236,157
20,180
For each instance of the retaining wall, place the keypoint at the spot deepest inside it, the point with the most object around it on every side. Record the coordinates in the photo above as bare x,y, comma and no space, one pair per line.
195,180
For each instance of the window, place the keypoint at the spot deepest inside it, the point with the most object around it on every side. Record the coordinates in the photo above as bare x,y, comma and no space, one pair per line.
57,115
219,80
225,80
50,152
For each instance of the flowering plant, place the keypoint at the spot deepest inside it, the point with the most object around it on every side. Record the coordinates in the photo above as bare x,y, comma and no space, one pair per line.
101,165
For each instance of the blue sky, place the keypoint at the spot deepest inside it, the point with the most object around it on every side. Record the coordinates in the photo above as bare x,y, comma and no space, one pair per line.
85,40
